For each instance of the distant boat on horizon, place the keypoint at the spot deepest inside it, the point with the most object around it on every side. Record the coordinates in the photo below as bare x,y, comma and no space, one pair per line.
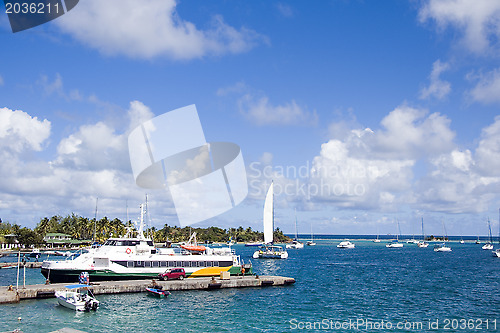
295,244
442,247
311,242
377,240
423,244
395,243
489,243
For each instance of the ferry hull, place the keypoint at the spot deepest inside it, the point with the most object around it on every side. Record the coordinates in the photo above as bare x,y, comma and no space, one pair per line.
70,275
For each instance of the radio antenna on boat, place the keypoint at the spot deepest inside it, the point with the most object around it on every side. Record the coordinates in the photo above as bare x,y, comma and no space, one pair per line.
126,209
149,223
140,225
95,217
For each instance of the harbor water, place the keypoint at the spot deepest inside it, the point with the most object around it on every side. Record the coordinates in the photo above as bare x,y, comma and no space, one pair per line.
370,288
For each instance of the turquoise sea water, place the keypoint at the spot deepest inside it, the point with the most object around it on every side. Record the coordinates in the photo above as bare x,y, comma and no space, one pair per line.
366,289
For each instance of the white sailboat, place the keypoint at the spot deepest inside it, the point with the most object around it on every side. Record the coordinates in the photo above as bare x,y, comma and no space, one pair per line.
422,243
443,247
311,242
268,250
395,243
412,240
377,240
496,253
295,244
489,244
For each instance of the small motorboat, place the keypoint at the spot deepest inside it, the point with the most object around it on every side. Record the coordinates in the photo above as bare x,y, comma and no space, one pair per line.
487,246
35,253
442,248
295,244
158,291
496,253
77,297
346,245
253,244
422,244
394,244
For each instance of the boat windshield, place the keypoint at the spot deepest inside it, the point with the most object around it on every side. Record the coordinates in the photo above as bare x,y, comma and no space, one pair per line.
124,242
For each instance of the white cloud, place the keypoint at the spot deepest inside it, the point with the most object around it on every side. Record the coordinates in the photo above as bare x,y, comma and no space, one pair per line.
437,87
488,150
487,90
374,168
93,147
477,19
20,131
99,146
365,168
151,30
266,158
285,10
454,186
56,87
410,133
464,181
92,161
261,112
352,177
138,113
239,87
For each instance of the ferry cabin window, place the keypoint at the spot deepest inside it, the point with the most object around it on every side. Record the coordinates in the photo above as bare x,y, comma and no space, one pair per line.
150,243
130,264
209,264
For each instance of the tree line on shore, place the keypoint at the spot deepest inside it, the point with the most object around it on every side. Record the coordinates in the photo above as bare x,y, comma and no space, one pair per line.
83,228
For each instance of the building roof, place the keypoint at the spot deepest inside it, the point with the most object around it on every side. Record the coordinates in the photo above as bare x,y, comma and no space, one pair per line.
53,234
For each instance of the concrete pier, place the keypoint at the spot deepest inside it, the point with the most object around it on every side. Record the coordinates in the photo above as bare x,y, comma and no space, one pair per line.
28,264
137,286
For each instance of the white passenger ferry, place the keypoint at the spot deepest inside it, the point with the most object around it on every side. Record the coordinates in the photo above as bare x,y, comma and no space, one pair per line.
128,258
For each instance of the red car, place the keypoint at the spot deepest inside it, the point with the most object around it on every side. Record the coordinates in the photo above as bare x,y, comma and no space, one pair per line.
172,274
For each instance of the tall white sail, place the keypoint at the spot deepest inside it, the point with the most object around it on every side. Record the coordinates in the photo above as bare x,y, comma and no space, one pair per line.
269,215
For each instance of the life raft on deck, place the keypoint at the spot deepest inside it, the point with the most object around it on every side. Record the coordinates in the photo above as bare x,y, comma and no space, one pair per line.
199,248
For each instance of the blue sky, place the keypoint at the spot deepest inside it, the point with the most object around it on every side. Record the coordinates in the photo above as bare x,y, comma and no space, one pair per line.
396,99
